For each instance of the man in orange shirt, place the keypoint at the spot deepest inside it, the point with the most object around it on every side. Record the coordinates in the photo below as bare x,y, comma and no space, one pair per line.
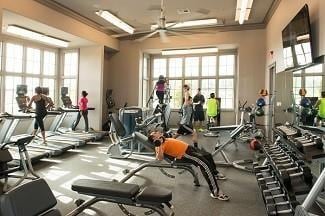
182,151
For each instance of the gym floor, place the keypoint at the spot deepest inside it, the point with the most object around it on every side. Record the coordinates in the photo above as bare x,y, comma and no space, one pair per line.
92,162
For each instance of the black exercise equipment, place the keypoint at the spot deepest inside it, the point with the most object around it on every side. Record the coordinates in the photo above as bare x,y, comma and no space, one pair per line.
25,164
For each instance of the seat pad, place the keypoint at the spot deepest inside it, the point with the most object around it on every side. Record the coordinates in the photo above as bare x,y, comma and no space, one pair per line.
105,188
154,194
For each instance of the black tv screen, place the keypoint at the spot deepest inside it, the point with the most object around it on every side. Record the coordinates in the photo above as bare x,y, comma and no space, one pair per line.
297,41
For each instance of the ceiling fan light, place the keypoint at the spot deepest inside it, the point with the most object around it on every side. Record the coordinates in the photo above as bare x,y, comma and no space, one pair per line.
191,23
26,33
115,21
190,51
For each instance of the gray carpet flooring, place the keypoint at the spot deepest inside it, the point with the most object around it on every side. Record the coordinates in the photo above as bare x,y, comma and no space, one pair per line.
92,162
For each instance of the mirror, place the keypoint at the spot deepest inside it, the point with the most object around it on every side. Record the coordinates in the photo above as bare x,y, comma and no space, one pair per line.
287,105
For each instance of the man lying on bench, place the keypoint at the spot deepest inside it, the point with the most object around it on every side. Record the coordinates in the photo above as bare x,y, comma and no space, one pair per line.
181,150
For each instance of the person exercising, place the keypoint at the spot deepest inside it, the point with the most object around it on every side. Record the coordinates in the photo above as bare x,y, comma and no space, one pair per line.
83,111
320,105
42,102
198,102
185,124
212,109
160,88
180,150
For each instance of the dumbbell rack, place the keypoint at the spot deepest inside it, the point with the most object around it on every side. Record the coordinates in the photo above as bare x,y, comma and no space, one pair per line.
281,179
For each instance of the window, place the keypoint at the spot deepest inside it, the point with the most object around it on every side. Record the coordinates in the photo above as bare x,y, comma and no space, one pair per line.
11,83
14,58
32,66
49,83
33,61
198,72
208,87
226,93
72,86
70,74
32,83
145,81
176,93
160,67
226,65
175,67
71,64
296,88
313,86
311,79
191,66
194,85
209,65
49,63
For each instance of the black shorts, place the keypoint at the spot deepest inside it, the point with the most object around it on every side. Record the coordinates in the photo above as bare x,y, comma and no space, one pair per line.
198,115
185,129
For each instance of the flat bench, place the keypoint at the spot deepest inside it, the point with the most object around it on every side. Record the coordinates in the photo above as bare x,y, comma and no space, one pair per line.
19,202
151,197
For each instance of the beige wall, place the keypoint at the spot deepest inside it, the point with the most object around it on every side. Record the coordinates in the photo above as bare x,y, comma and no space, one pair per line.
91,80
38,12
125,65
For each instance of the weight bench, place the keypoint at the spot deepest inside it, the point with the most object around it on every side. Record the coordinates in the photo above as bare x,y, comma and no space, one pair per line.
19,202
136,137
151,197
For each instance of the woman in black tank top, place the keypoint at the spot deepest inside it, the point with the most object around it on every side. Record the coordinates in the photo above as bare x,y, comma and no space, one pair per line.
42,102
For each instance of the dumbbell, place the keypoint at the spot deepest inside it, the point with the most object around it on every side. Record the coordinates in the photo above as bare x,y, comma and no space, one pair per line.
288,164
276,198
317,142
283,208
303,171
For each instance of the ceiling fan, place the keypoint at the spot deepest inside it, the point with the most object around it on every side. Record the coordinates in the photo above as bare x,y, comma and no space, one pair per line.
177,28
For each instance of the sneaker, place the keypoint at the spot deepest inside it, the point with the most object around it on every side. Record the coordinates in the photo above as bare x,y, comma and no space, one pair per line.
221,196
201,130
220,176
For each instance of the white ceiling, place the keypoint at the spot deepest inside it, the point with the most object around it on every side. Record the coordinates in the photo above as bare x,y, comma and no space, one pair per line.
142,13
12,18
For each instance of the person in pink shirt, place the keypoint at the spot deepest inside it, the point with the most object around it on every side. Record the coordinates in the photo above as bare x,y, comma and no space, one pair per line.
83,110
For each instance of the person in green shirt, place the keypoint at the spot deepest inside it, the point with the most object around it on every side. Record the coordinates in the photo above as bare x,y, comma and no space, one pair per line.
320,105
212,108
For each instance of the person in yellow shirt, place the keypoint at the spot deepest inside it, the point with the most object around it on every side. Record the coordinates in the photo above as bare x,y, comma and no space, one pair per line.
212,108
320,105
186,153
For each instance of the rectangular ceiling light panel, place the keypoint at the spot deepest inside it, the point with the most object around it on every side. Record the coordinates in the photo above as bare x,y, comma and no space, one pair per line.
243,10
189,51
116,21
26,33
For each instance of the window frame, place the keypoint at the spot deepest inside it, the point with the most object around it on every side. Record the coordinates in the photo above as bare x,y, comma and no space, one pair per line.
217,77
24,75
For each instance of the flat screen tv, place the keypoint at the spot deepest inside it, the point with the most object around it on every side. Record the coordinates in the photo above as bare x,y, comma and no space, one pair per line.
297,41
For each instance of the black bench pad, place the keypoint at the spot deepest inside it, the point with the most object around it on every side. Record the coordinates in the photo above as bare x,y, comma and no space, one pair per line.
105,188
154,194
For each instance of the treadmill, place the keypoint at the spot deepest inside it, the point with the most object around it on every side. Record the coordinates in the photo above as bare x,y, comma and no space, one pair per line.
65,123
6,126
70,115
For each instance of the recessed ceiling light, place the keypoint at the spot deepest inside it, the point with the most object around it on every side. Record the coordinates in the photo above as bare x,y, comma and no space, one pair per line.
115,21
33,35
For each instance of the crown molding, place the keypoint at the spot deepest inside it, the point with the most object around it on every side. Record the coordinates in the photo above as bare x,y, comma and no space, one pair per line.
271,11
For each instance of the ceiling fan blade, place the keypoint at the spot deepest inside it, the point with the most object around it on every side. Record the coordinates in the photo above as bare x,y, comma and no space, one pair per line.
146,36
179,34
163,37
196,31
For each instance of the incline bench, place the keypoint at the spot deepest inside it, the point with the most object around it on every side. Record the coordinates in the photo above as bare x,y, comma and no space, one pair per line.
19,202
118,137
